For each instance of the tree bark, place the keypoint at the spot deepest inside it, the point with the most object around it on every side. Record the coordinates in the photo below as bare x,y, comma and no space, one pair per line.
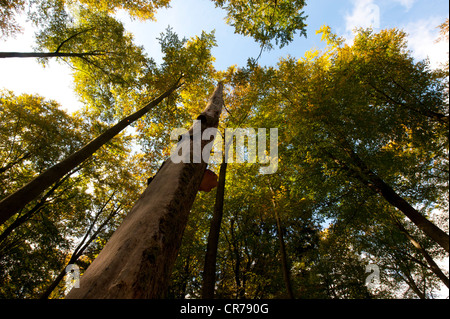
209,272
235,249
284,263
430,229
138,259
19,199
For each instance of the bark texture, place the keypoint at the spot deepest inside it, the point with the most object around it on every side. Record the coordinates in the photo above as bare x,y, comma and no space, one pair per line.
138,259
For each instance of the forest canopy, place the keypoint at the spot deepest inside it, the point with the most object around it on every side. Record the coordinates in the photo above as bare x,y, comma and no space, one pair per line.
362,167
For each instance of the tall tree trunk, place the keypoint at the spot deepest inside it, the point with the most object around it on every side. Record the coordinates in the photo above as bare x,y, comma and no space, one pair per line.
433,266
412,284
430,229
138,259
19,199
284,261
235,249
374,182
186,274
209,272
26,216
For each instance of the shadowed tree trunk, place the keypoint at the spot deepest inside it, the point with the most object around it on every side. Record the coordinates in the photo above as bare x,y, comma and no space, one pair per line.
209,272
412,284
431,263
374,182
19,199
79,250
235,249
284,261
138,259
33,211
430,229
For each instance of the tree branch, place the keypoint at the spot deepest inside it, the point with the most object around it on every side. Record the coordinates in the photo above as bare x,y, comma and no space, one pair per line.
71,37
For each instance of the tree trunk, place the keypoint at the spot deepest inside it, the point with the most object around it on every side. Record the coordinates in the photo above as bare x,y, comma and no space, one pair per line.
411,283
433,266
138,259
79,250
235,249
284,262
18,200
46,54
209,272
374,182
26,216
417,218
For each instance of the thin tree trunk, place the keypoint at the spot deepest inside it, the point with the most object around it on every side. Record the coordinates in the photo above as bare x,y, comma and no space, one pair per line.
284,262
237,256
186,275
433,266
138,259
18,200
209,272
26,216
412,284
47,54
374,182
79,250
430,229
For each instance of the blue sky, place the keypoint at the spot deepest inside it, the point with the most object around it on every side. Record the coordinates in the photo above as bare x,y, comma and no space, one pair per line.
189,17
419,18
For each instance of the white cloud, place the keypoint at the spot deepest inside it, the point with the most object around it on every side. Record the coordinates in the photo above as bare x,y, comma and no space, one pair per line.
365,14
406,3
422,35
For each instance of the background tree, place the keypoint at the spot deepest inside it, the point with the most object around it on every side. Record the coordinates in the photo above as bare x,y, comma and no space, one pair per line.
266,21
35,245
8,10
10,205
41,12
